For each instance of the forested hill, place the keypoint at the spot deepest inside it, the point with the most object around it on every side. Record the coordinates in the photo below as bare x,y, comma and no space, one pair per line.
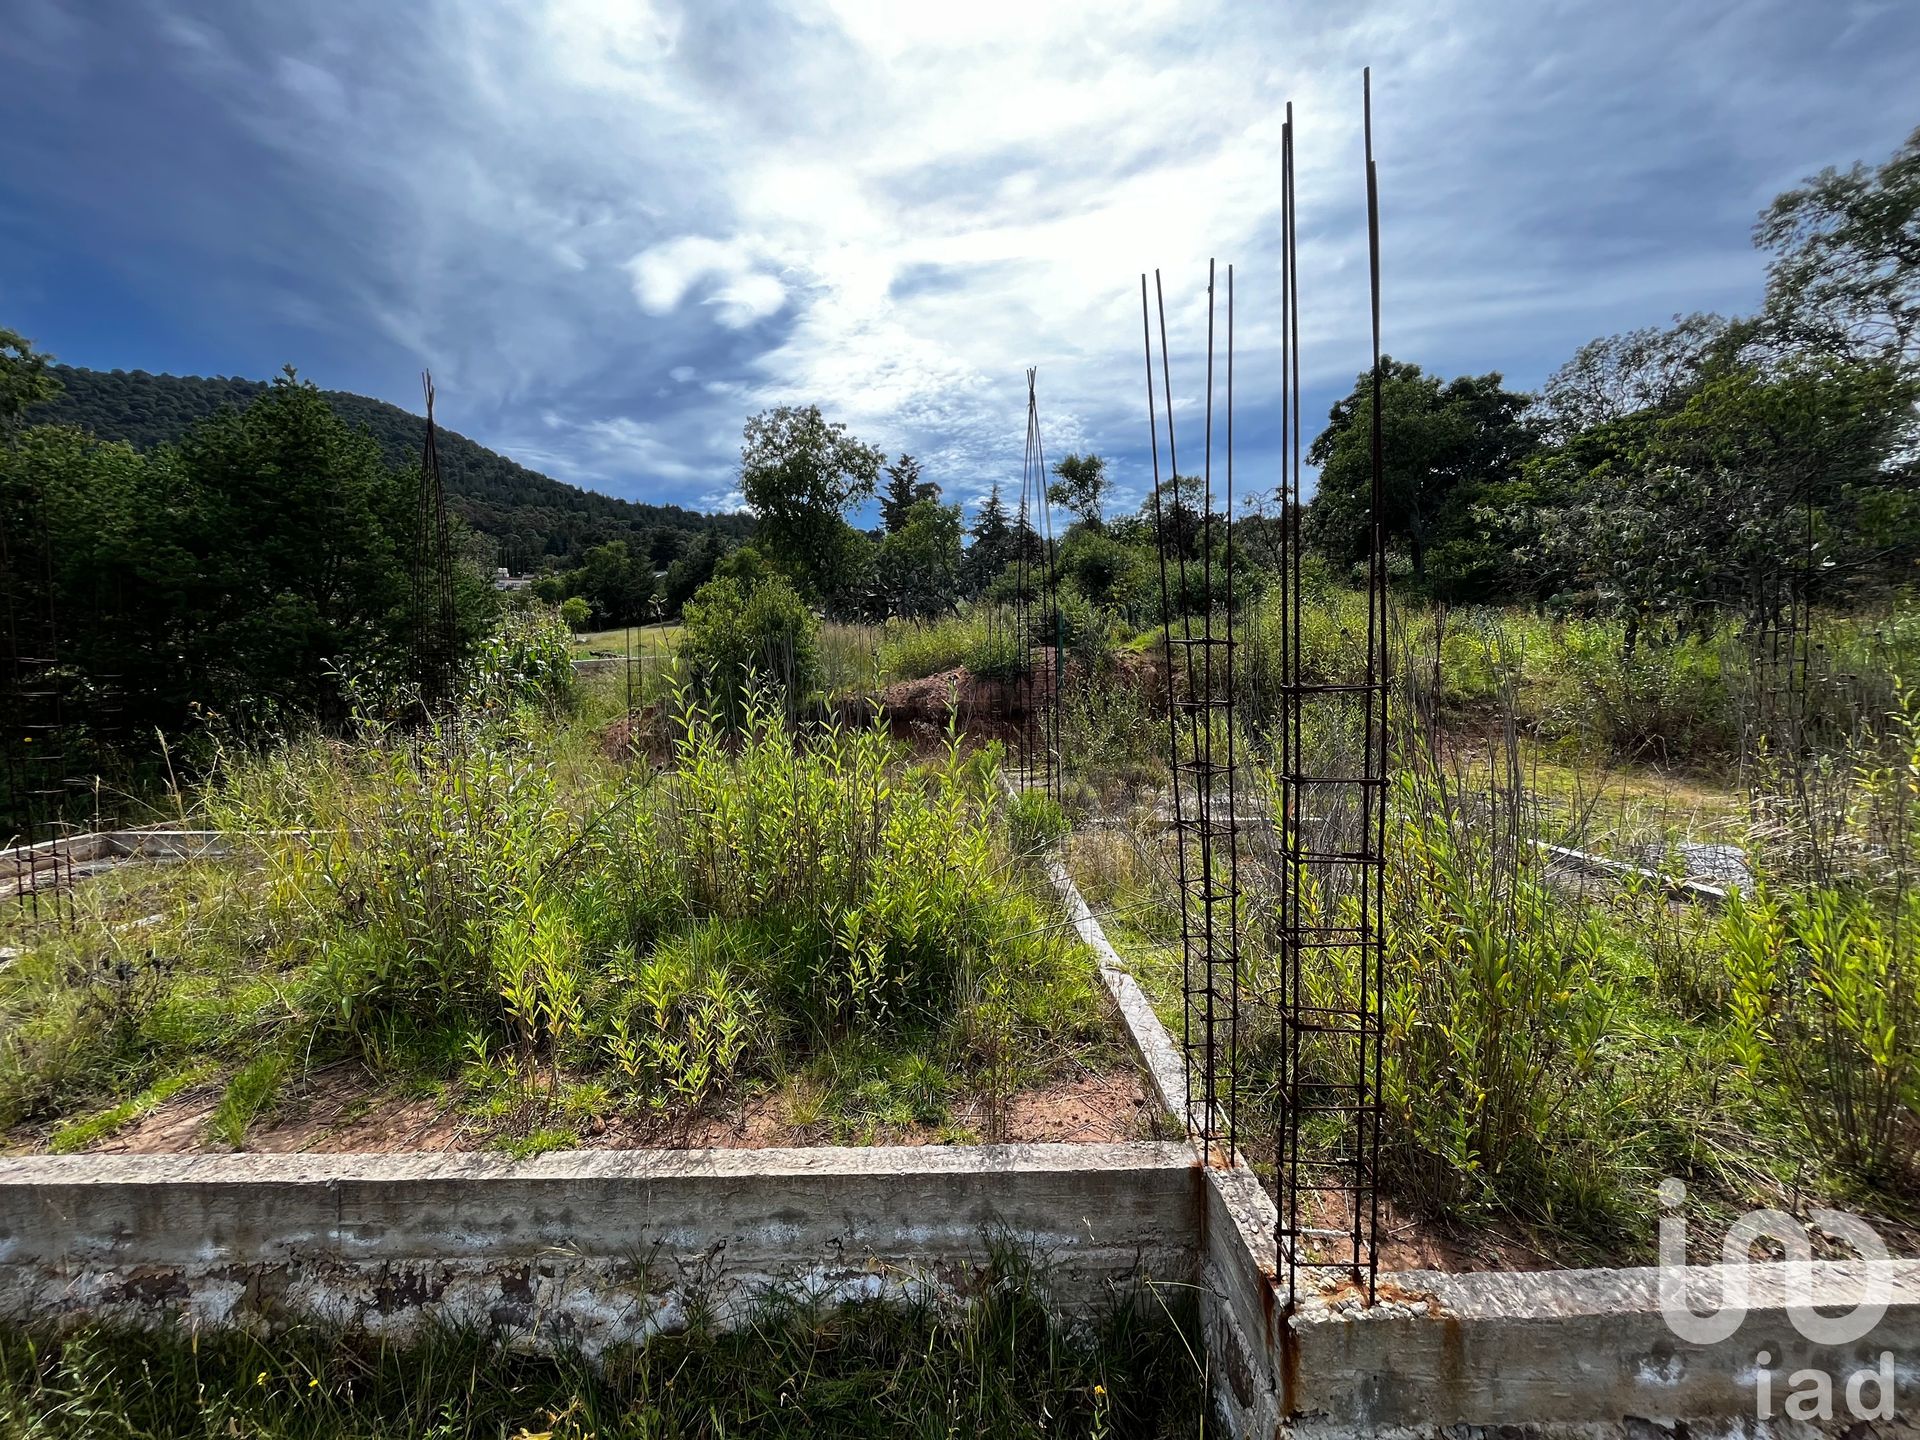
535,517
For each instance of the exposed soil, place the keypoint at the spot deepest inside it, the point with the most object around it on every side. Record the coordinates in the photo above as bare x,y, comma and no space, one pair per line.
917,711
341,1109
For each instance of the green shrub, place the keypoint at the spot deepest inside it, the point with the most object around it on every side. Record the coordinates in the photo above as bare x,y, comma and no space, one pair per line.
735,637
1826,988
1035,822
525,659
914,649
1000,654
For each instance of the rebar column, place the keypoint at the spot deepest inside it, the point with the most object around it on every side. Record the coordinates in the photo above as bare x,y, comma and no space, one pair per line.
1333,791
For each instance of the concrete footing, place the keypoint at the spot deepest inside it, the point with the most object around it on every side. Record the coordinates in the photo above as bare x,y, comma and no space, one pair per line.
582,1248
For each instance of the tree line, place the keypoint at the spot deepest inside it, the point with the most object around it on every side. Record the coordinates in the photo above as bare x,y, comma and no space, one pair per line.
1673,474
256,574
534,522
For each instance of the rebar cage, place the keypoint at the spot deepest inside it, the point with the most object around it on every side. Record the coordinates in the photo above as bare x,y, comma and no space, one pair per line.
1039,629
1320,1000
1333,799
1201,743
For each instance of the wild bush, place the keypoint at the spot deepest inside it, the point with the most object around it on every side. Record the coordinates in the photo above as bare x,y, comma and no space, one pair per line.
494,900
734,636
1495,1005
914,649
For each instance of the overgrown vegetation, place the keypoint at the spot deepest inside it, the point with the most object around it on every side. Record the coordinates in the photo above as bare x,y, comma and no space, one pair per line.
496,908
1557,1042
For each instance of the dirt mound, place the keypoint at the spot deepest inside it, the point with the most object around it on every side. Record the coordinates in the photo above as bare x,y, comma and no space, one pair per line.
983,704
639,734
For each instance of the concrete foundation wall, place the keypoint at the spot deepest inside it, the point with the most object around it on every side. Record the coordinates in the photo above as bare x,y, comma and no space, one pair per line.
1582,1346
583,1248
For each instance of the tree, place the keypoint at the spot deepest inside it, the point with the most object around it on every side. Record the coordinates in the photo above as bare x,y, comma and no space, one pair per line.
1444,445
618,585
1845,273
1766,470
919,563
295,541
993,545
691,571
1654,368
800,474
905,489
576,612
24,381
1081,486
1176,510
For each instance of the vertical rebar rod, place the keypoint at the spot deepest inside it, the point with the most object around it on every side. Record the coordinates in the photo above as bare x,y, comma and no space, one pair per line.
1332,843
1200,721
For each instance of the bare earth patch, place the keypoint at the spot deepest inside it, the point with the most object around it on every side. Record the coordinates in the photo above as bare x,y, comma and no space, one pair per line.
341,1109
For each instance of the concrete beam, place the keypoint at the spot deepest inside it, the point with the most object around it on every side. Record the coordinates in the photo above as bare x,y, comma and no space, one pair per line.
1577,1346
586,1247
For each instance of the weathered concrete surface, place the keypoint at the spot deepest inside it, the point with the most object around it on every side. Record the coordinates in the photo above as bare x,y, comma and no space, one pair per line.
588,1248
1577,1346
1241,1313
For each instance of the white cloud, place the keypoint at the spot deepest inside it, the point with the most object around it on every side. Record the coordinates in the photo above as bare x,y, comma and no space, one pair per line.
619,226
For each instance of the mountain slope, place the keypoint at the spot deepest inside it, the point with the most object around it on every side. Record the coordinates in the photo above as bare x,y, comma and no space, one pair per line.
535,518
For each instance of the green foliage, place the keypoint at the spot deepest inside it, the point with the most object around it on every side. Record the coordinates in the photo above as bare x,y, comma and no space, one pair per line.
255,577
1496,1008
1080,485
800,474
493,904
918,567
1761,471
998,653
904,490
913,649
1035,822
615,582
1444,446
999,1362
1845,274
1825,986
24,381
530,518
577,614
734,637
249,1094
524,660
995,543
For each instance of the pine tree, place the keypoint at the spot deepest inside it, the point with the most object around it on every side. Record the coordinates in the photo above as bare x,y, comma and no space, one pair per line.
904,490
993,545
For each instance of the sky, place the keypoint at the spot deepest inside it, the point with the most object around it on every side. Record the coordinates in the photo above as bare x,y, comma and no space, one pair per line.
614,229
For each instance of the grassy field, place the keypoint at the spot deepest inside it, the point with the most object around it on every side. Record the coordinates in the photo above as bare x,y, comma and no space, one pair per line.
638,640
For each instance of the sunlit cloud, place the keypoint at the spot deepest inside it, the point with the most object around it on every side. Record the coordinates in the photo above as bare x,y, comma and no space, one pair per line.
616,229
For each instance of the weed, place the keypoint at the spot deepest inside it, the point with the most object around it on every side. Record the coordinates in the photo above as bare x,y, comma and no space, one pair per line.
249,1094
996,1362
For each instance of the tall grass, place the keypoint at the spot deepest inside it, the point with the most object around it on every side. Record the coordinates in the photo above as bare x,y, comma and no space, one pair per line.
997,1363
497,902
